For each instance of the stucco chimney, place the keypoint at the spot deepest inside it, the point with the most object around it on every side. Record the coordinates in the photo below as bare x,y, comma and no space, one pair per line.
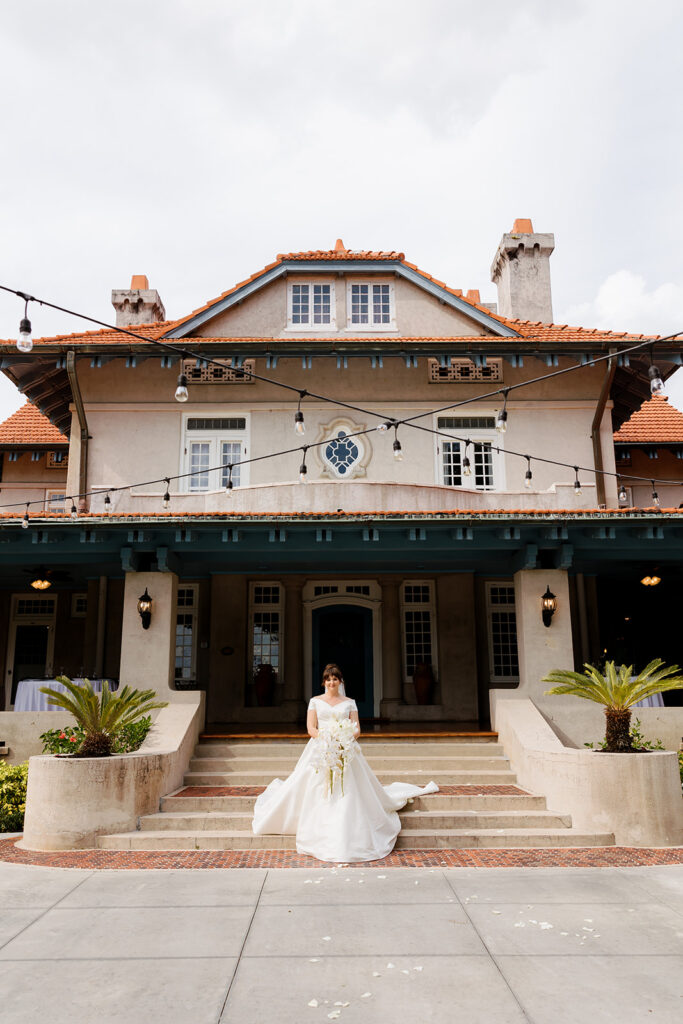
521,272
138,304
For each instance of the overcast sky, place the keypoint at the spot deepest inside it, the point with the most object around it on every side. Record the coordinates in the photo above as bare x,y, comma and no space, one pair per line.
192,140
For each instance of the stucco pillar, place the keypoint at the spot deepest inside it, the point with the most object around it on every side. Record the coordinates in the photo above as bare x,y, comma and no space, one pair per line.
392,669
148,655
541,648
293,668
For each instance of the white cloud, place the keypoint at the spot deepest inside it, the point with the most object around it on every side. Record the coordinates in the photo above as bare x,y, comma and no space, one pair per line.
624,303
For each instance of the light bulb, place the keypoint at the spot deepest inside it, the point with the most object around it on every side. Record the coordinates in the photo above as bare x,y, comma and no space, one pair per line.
398,453
623,496
166,500
299,424
656,382
25,341
655,497
25,521
577,486
73,511
383,427
181,394
466,467
502,421
528,478
107,504
303,471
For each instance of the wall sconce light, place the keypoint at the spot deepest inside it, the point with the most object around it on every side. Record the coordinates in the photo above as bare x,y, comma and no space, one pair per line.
548,606
651,581
145,609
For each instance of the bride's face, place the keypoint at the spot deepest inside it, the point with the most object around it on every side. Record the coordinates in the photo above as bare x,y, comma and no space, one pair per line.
331,685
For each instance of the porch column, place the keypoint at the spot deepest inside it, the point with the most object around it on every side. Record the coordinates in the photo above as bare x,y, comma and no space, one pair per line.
148,655
293,668
392,669
541,648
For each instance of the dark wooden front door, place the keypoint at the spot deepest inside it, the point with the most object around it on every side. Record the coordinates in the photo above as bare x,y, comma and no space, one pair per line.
342,633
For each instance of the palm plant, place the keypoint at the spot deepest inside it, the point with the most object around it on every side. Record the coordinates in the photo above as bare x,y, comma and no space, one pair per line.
618,690
103,715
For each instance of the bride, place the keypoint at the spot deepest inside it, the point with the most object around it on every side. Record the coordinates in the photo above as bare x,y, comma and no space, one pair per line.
357,825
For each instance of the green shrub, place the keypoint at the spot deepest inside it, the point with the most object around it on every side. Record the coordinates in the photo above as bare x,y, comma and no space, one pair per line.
13,779
69,739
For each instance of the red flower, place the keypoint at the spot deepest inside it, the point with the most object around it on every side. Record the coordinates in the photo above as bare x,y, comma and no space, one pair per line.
62,735
73,739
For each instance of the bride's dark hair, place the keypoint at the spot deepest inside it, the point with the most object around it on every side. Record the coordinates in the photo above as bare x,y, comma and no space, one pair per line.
332,670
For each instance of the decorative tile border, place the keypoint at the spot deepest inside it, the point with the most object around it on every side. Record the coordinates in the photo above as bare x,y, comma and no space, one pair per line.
190,791
559,857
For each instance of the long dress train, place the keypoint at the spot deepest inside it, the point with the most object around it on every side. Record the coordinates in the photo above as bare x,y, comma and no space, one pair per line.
362,824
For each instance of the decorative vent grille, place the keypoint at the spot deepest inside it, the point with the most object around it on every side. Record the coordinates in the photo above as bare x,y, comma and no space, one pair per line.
220,372
57,460
464,370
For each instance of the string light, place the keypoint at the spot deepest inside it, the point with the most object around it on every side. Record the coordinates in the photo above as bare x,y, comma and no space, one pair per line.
623,496
655,496
25,341
107,504
383,427
528,476
299,424
502,417
181,392
656,382
466,466
398,452
25,521
166,500
303,470
577,482
73,511
228,482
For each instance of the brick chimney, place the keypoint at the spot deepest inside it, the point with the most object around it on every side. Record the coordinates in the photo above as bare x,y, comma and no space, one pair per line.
138,304
521,272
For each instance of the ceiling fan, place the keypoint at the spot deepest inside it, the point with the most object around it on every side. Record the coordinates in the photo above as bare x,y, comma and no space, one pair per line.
42,578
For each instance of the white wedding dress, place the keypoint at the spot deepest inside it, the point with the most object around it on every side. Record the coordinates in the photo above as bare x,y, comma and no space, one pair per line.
362,824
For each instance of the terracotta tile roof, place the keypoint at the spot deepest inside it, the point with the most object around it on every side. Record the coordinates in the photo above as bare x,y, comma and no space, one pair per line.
548,514
28,426
655,422
525,328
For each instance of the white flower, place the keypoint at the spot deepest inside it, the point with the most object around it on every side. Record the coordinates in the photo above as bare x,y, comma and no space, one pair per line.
334,748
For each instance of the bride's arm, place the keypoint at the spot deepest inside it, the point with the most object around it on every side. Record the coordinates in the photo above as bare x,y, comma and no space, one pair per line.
312,723
356,723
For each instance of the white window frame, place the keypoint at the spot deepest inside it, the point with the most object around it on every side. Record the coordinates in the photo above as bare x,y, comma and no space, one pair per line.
477,437
372,324
276,606
78,609
490,608
428,605
53,494
215,439
193,611
311,325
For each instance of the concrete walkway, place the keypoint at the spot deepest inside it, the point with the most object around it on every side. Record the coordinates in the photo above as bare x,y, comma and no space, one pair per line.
487,946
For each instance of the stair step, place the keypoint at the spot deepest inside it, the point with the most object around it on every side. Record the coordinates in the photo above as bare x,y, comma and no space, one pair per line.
394,748
434,801
416,777
212,821
279,765
424,839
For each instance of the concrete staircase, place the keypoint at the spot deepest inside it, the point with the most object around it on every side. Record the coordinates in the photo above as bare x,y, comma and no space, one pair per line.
480,807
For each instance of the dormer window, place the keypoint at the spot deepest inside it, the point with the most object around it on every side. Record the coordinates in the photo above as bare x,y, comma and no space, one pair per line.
311,306
370,306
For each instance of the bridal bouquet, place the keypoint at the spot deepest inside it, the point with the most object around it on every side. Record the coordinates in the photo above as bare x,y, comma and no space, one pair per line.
335,748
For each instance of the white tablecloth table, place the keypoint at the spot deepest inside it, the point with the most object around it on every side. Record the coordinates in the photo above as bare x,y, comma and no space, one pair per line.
29,697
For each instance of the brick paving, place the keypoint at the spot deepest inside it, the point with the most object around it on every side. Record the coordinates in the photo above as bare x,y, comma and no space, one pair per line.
567,857
443,790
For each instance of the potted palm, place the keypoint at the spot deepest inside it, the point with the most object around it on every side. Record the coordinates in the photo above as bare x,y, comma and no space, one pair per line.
101,716
617,689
